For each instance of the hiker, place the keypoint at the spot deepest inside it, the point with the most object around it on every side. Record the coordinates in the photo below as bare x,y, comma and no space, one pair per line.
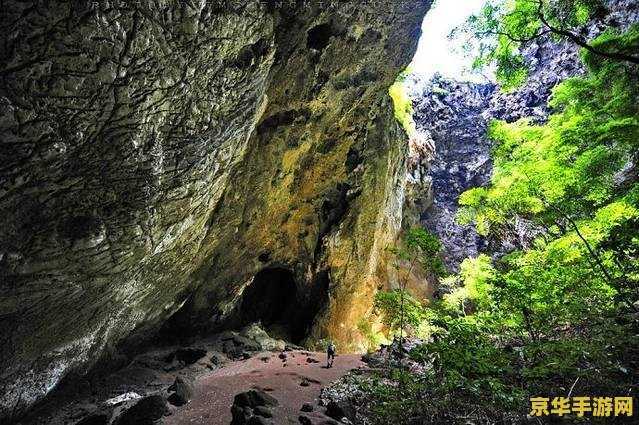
330,354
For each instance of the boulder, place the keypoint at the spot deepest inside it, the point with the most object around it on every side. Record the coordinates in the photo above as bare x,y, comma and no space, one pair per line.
217,359
186,356
246,344
240,414
263,411
375,359
184,389
254,398
258,420
340,409
233,351
304,420
255,333
144,412
252,407
261,398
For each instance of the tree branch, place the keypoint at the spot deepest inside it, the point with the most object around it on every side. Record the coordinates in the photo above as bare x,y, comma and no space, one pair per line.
582,42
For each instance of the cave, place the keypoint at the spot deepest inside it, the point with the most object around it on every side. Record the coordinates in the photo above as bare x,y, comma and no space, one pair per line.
172,169
272,298
319,36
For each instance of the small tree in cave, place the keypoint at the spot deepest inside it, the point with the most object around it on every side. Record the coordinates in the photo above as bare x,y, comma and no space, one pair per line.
400,310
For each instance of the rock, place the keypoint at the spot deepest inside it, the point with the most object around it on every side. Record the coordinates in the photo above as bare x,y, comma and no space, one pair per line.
282,356
307,407
263,411
304,383
186,356
304,420
144,412
252,407
240,414
311,360
340,409
375,359
258,420
238,346
184,389
217,359
128,162
232,351
262,338
99,419
246,344
227,335
243,400
116,401
254,398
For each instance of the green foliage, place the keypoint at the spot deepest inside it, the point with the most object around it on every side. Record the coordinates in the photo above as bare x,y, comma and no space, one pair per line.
373,339
503,27
402,103
391,308
562,177
613,41
423,247
561,301
558,312
398,309
471,288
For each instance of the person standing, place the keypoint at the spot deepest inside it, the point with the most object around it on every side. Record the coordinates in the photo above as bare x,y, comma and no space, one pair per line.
330,354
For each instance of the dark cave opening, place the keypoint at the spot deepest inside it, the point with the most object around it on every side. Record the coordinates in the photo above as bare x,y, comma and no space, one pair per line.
319,36
272,298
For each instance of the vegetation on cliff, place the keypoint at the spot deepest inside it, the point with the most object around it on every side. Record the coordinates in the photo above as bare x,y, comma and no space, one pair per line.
504,27
557,317
402,103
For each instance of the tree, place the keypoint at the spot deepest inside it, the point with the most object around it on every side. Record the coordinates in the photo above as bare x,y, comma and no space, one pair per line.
419,247
566,176
400,310
554,315
503,27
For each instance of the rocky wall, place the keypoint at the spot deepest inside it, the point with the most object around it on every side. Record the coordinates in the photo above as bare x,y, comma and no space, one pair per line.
155,155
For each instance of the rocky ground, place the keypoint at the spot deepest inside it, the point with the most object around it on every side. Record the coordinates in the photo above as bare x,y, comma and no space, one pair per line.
347,396
269,388
243,377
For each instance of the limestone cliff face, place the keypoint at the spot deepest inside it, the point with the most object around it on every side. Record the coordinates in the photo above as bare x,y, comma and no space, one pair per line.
156,156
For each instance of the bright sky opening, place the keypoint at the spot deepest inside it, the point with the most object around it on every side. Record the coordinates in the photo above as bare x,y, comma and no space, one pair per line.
435,52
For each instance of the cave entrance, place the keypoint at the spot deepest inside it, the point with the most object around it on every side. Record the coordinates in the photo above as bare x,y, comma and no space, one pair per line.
272,298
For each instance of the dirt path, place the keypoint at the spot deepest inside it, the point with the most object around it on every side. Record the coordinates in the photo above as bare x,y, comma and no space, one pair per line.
266,371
